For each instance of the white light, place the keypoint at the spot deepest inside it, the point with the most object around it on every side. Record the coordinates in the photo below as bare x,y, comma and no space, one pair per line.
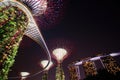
24,74
78,63
114,54
44,64
95,58
59,53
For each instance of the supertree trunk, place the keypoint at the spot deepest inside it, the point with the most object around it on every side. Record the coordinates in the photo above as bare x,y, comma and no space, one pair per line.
45,75
59,72
13,23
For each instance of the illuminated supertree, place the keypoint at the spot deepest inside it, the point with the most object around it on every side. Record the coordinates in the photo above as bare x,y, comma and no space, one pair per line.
37,7
60,54
24,75
45,73
61,48
16,20
13,23
52,15
46,12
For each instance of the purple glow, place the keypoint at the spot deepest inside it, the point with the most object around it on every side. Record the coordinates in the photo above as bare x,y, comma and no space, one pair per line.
78,63
37,7
95,58
114,54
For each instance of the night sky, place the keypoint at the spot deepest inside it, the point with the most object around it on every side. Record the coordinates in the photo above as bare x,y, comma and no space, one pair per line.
87,27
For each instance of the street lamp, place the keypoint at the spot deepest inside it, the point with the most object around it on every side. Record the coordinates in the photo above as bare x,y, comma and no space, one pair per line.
44,63
24,75
60,54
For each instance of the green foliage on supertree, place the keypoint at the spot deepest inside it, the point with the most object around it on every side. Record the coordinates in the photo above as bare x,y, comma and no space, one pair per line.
13,23
45,75
60,73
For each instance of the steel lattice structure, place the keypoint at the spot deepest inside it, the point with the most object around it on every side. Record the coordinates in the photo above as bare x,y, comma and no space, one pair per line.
32,29
37,6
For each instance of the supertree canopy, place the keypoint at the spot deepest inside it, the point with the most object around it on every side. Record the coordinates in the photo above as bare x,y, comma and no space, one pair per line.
46,12
37,7
13,23
17,18
52,13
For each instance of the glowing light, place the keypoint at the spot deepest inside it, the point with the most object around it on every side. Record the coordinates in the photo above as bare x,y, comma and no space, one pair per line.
59,54
24,75
95,58
79,63
32,30
45,62
114,54
52,14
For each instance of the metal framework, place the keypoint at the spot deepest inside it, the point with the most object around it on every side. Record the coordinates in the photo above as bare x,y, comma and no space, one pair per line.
32,30
37,6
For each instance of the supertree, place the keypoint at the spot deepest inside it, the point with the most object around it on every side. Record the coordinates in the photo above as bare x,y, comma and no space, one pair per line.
24,74
52,14
46,12
13,23
16,20
60,49
45,73
60,54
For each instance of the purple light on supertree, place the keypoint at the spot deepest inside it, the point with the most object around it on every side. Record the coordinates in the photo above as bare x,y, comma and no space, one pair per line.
37,7
61,49
53,14
61,43
47,13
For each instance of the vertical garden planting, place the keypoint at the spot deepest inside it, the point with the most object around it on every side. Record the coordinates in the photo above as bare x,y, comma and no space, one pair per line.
13,23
